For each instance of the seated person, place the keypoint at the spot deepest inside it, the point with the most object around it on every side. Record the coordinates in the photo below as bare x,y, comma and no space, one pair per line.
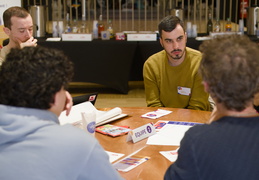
228,147
171,76
18,26
33,145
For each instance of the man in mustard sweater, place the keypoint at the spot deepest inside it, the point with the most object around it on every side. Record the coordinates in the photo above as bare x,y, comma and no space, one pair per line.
171,76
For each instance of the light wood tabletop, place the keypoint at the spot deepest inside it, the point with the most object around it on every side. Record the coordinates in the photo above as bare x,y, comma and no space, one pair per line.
156,166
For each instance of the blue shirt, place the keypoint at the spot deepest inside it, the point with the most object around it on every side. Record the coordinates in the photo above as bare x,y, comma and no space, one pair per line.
34,146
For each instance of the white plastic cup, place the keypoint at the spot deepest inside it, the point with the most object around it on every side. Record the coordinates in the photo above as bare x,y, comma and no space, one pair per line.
89,122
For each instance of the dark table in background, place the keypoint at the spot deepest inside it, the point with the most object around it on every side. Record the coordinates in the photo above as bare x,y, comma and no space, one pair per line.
109,62
103,62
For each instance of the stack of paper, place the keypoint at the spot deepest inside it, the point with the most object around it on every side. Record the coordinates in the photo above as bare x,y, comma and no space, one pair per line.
102,117
170,133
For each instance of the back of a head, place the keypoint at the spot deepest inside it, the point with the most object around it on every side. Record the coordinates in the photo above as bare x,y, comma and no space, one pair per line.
169,23
13,11
30,77
230,66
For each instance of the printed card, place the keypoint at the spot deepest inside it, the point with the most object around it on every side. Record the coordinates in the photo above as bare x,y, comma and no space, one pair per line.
156,114
184,91
130,162
170,155
112,130
159,125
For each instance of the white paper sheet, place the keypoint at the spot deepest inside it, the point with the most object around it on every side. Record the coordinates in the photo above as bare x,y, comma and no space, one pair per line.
105,115
102,117
170,134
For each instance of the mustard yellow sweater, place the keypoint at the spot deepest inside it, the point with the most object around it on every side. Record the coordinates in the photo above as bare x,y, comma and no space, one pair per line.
163,83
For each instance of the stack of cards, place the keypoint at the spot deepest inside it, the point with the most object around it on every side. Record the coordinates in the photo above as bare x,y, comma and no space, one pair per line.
112,130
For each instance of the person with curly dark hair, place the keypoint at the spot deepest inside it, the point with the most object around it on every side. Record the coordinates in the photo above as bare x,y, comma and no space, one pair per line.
227,147
33,145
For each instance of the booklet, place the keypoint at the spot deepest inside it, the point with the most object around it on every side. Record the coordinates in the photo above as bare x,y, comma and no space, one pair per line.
112,130
102,117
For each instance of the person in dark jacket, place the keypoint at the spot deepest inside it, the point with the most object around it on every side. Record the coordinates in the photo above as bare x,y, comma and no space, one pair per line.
227,147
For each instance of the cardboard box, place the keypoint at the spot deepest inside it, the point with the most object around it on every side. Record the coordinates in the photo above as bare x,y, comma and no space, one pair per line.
77,37
142,37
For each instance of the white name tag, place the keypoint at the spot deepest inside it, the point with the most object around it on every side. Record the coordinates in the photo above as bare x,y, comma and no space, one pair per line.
141,132
184,91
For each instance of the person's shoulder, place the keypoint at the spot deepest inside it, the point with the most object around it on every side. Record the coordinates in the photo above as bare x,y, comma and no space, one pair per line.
193,51
156,58
5,49
200,130
73,135
194,56
3,52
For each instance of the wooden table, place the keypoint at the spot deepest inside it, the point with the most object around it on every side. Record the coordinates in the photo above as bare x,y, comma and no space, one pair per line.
156,166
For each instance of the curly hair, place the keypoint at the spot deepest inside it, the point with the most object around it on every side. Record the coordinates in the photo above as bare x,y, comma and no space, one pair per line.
230,66
30,77
13,11
169,23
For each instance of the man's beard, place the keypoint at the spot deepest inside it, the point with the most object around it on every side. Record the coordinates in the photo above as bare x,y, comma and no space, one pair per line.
178,56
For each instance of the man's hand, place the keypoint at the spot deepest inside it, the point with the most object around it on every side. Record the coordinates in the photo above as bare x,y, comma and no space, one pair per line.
29,42
69,103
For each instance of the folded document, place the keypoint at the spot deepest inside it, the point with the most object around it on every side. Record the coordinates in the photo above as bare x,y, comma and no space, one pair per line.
102,117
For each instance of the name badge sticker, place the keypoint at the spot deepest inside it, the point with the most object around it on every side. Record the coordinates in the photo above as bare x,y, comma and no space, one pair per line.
141,132
184,91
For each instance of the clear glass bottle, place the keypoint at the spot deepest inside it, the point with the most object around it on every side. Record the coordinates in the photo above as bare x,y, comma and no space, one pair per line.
209,25
68,28
75,28
217,27
228,25
110,29
84,28
241,26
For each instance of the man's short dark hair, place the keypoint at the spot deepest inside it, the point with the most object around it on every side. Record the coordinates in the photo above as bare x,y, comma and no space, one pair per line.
230,66
169,23
11,12
30,77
